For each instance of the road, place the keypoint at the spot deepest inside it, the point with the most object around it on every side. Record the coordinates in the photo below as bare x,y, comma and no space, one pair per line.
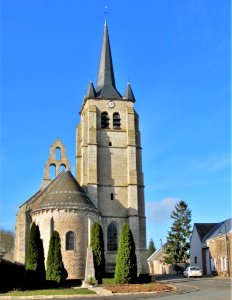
187,289
201,289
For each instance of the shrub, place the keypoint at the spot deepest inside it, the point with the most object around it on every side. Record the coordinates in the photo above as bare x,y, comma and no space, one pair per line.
35,258
97,245
126,265
11,276
55,267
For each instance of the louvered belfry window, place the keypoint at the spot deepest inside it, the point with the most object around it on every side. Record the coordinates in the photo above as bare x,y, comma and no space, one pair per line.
105,120
116,120
70,240
112,237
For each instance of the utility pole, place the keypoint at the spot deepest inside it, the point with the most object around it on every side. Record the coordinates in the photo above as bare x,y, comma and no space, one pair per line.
161,243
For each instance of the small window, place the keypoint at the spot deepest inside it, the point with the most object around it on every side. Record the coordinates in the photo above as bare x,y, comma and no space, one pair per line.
110,144
105,120
58,155
112,196
70,240
52,171
195,259
62,167
116,120
112,237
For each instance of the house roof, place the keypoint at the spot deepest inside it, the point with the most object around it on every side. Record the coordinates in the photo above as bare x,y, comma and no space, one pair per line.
204,228
220,229
157,254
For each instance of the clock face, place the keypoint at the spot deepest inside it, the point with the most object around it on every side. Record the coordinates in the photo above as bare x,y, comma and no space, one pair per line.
111,104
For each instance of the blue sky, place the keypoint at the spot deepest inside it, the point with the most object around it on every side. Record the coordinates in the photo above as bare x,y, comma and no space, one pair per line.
176,55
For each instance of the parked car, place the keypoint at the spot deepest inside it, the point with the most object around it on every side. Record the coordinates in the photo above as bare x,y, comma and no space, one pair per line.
193,271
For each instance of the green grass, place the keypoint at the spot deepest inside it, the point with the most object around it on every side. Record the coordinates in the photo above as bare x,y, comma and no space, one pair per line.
50,292
108,280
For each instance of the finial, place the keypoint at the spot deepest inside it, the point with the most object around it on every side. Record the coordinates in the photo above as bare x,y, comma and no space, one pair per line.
106,13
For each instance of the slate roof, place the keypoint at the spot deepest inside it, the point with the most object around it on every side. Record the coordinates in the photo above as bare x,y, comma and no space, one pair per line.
204,228
64,192
91,93
106,87
129,93
219,229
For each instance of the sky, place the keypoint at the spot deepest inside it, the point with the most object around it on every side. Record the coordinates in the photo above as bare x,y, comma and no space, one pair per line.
176,55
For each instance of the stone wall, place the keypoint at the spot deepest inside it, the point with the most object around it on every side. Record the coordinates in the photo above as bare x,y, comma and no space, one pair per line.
221,253
64,221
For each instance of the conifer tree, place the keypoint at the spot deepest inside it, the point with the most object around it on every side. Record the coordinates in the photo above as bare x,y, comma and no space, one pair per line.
35,256
97,245
178,237
126,264
55,268
151,248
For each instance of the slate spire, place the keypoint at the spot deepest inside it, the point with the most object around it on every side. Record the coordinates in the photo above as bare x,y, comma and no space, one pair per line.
129,95
90,94
106,87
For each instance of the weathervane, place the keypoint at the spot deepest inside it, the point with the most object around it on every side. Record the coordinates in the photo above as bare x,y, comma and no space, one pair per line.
106,10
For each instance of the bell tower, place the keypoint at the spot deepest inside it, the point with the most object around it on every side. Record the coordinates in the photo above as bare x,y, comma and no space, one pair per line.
109,159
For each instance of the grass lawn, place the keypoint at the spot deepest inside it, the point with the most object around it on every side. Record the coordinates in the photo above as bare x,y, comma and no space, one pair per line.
47,292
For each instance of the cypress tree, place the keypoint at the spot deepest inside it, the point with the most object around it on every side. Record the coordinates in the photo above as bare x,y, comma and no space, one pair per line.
178,244
126,264
55,268
35,257
97,245
151,248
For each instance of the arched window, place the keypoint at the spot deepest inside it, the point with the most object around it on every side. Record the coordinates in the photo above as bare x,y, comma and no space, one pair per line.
105,120
112,237
69,240
116,120
58,155
52,171
62,167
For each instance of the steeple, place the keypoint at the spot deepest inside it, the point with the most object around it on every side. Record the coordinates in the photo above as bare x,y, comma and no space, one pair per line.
106,87
90,92
129,95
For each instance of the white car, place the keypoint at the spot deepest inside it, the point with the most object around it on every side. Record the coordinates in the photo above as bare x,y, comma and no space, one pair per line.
193,271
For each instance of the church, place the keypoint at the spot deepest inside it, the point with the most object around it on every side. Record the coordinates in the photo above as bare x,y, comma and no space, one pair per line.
107,186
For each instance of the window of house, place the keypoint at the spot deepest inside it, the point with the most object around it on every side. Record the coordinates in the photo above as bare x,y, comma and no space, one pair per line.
69,240
110,144
112,237
116,120
223,263
105,120
195,259
112,196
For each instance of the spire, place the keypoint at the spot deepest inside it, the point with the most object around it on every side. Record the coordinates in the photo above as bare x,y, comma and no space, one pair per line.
90,94
105,80
129,93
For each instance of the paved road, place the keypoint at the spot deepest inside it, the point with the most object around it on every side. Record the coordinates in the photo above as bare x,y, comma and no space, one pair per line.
188,289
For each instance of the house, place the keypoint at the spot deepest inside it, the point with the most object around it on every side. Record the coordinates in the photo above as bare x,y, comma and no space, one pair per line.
210,247
157,265
200,230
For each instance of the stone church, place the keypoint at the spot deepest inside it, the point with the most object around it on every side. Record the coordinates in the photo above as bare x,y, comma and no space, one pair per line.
108,185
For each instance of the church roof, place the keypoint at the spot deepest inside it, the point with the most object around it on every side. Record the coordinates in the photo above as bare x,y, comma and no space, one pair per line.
64,192
129,95
91,93
106,87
